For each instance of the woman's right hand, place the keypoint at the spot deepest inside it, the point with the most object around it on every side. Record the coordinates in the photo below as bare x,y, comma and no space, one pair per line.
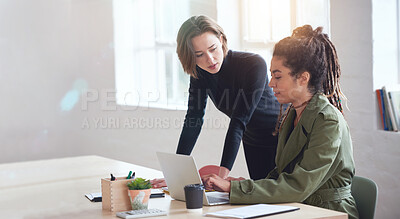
158,183
214,182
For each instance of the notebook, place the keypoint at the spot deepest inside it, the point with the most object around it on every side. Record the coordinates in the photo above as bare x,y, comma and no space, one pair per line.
180,170
252,211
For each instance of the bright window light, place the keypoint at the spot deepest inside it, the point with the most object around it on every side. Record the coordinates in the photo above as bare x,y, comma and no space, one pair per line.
147,69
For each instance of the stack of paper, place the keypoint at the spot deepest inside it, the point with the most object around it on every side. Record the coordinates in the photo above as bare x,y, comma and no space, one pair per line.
252,211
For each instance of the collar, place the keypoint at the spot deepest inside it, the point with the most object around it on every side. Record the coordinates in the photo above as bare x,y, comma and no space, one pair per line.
316,104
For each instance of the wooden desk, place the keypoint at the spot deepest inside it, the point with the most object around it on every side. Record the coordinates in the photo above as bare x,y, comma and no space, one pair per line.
55,189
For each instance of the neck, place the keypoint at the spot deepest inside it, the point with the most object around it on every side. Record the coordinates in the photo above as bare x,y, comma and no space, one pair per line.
301,104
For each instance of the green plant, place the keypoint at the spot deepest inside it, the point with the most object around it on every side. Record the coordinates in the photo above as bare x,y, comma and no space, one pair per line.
139,184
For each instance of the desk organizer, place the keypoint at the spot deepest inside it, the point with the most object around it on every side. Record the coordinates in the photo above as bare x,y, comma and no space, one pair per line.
115,194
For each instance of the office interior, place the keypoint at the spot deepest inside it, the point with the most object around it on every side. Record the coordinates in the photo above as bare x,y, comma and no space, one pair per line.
57,64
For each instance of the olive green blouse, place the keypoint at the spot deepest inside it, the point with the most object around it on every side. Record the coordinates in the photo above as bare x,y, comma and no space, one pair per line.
314,163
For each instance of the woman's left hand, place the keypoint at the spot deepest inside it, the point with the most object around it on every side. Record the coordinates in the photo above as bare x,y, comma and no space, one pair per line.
223,172
235,178
214,182
158,183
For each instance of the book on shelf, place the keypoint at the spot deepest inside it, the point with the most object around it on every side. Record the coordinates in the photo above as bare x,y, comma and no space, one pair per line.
389,107
389,110
381,108
394,97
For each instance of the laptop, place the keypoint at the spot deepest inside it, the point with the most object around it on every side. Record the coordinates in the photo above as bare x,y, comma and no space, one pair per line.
180,170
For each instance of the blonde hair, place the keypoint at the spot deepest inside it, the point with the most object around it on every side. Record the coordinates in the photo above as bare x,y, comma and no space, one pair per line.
195,26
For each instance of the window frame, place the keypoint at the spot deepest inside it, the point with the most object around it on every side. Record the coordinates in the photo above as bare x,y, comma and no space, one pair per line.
268,45
261,43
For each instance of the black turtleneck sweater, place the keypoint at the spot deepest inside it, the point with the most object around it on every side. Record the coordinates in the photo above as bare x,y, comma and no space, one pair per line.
239,90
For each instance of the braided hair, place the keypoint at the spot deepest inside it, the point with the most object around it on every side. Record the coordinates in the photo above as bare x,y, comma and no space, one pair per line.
312,51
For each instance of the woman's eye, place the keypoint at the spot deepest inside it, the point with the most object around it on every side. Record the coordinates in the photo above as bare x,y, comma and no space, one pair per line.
198,56
213,49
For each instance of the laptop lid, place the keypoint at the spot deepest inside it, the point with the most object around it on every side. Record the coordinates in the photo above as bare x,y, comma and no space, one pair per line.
179,170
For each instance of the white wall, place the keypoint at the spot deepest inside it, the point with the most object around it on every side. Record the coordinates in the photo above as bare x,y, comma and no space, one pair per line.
376,152
51,53
50,50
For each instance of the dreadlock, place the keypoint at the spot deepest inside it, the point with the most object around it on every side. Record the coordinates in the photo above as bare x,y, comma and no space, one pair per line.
312,51
331,85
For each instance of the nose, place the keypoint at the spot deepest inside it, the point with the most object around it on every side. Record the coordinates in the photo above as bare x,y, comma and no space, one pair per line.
271,84
210,58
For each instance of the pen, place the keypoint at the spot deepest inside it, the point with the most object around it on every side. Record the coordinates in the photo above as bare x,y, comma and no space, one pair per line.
129,175
112,177
133,175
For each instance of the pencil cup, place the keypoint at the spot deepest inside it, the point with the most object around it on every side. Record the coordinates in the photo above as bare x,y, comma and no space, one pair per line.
194,196
114,194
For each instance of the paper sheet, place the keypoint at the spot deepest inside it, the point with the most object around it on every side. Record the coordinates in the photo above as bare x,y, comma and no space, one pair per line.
252,211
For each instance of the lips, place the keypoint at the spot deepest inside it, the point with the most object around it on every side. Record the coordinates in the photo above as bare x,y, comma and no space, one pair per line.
212,67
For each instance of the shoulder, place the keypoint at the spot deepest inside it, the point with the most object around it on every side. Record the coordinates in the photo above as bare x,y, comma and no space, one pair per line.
330,113
318,111
246,58
320,106
197,83
249,67
330,118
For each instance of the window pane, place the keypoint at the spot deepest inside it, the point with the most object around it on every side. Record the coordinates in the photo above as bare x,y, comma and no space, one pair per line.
169,16
268,20
177,80
258,21
280,16
385,43
143,23
313,12
148,72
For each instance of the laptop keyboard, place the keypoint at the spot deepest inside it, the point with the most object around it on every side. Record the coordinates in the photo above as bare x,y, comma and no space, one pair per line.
212,199
217,197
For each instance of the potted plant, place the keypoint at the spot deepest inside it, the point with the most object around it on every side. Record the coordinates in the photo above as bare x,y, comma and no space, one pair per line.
139,193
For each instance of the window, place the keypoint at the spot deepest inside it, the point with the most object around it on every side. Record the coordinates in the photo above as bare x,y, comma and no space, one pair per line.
386,42
265,22
147,69
398,41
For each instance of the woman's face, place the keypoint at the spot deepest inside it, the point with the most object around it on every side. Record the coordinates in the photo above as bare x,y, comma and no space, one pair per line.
287,88
208,52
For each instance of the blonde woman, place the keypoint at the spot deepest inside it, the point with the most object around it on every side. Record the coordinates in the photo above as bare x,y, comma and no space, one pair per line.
237,84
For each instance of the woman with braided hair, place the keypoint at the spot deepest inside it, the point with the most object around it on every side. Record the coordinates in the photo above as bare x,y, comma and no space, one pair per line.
314,160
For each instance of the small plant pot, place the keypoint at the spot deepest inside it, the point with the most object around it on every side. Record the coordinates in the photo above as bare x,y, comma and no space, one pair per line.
139,198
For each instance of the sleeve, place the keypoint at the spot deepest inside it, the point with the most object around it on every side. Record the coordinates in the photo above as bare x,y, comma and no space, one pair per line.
194,117
307,176
246,101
